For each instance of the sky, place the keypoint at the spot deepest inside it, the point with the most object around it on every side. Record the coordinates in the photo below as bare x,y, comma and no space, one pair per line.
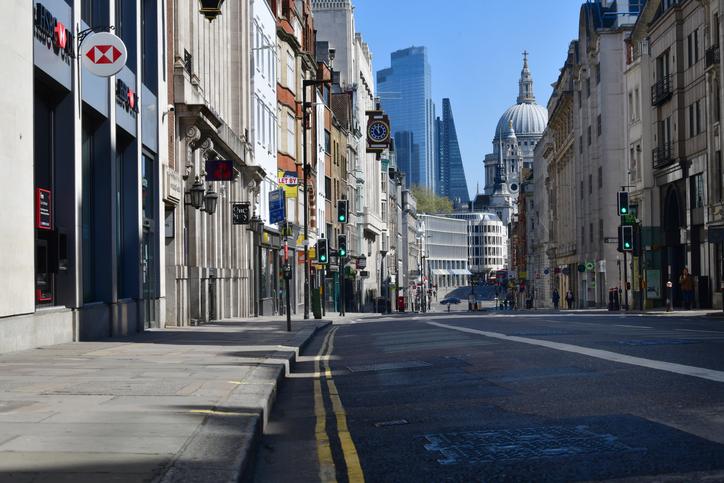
475,52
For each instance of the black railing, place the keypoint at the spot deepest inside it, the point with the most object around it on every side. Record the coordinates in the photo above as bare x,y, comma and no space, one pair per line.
712,56
661,91
661,155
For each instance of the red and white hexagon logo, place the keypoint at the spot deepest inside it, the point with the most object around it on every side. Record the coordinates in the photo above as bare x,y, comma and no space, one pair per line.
104,54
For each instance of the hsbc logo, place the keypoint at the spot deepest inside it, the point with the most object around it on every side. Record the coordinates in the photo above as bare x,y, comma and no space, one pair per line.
126,97
53,33
103,54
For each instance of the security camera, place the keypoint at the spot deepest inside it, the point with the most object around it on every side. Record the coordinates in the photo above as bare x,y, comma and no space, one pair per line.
170,108
332,52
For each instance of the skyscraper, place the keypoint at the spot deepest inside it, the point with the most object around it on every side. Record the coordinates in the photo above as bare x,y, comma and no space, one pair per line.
405,92
451,174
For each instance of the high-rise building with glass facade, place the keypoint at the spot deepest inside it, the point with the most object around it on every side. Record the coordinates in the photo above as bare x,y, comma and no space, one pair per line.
451,174
405,92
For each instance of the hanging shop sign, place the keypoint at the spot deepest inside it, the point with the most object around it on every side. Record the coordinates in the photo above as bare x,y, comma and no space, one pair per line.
104,54
126,97
289,181
378,131
241,213
219,170
590,266
52,33
43,209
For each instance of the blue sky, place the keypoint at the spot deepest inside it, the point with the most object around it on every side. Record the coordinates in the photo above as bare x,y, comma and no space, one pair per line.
475,49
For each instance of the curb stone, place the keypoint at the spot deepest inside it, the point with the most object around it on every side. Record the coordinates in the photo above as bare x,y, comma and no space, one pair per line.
223,447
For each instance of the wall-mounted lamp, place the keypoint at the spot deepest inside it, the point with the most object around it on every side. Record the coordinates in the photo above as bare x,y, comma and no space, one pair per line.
210,8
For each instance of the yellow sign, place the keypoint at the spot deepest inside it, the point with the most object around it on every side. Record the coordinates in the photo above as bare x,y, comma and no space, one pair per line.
312,252
289,181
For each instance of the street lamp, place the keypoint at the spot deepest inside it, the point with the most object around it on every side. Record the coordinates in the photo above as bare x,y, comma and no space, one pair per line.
210,201
210,8
197,194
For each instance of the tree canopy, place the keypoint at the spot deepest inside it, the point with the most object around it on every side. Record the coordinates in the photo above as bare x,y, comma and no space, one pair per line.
429,202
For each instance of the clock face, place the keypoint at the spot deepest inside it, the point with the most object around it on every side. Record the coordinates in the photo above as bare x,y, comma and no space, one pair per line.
378,131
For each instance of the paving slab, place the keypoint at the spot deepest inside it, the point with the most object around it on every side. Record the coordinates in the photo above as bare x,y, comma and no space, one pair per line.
167,405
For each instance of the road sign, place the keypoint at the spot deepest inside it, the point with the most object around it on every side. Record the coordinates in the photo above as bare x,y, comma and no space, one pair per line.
276,206
610,239
104,54
240,213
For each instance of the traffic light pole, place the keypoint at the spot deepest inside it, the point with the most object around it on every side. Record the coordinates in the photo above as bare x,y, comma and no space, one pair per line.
625,281
342,280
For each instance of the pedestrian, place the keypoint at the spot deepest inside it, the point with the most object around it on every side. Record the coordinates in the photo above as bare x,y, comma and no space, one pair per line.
569,299
556,298
686,284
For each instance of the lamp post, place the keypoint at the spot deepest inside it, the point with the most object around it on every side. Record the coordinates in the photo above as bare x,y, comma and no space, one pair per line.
305,173
257,225
210,8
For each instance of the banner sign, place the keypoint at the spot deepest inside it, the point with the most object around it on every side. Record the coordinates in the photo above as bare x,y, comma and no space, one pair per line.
219,170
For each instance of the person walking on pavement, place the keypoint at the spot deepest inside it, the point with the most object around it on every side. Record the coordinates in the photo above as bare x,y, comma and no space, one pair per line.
569,299
556,298
686,284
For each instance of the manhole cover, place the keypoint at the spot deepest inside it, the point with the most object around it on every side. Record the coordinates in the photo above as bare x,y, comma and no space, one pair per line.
388,366
520,444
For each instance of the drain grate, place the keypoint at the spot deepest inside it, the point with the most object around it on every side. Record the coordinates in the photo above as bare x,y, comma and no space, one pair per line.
394,422
473,447
388,366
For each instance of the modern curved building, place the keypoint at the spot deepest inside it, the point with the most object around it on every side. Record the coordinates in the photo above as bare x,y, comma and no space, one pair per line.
525,122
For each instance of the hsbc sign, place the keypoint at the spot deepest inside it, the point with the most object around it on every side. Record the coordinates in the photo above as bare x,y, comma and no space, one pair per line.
103,54
52,33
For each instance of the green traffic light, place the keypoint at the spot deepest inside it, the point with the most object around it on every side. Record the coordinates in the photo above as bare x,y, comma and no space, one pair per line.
343,252
342,218
624,210
323,258
627,245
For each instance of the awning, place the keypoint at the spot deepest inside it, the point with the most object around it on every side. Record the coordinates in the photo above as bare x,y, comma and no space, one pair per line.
461,271
439,271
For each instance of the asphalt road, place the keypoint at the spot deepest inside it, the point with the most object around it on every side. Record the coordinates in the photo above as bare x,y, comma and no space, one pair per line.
503,397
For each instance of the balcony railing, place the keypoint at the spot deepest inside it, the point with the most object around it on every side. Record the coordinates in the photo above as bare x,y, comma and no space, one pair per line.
661,91
661,155
712,56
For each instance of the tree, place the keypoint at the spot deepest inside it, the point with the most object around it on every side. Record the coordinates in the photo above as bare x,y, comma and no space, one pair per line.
429,202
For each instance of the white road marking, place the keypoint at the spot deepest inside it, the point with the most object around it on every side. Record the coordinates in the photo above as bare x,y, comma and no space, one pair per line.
634,326
685,370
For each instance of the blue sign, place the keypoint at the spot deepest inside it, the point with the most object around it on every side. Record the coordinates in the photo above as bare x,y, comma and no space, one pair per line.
277,203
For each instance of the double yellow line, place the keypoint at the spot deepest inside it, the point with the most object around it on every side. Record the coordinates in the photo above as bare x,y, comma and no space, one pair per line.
327,469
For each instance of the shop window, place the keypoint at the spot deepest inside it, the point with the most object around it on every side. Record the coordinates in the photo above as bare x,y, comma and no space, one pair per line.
94,12
88,214
126,30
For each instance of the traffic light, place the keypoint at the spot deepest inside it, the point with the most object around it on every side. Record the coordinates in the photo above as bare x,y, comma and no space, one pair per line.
625,238
342,245
342,211
623,203
322,251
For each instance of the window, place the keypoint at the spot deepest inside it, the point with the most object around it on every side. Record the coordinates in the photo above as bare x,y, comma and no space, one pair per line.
634,6
695,118
600,229
631,112
327,188
598,125
690,49
597,69
580,144
149,45
582,192
697,191
719,181
600,177
637,109
291,69
126,30
94,12
327,142
588,88
588,134
583,235
590,233
291,134
590,184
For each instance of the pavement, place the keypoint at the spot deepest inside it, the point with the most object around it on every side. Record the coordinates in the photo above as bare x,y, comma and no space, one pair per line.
167,405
